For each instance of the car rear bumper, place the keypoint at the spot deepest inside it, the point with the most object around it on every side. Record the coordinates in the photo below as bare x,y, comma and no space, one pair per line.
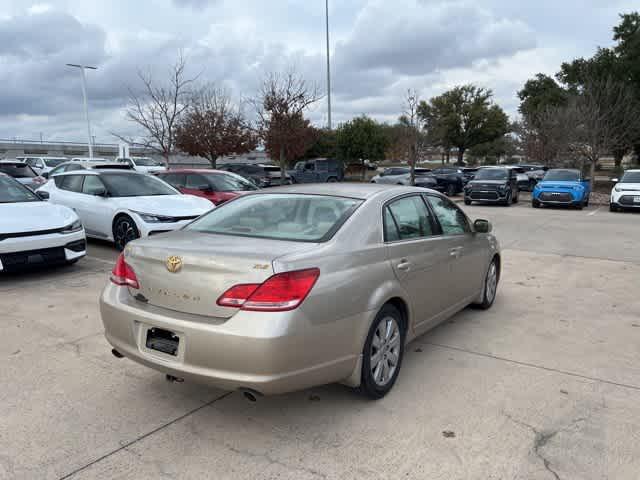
270,353
52,249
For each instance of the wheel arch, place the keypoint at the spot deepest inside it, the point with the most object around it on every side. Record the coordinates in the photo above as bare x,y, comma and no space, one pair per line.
119,214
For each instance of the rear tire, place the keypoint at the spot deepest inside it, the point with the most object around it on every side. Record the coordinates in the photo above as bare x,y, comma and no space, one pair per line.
383,352
124,231
490,288
332,180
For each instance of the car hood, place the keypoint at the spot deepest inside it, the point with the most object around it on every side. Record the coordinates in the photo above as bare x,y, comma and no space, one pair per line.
167,205
34,216
628,187
478,183
557,184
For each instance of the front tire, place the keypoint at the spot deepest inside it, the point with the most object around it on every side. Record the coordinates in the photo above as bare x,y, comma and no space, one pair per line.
467,201
535,203
490,287
507,202
613,208
332,180
451,190
124,231
517,197
383,353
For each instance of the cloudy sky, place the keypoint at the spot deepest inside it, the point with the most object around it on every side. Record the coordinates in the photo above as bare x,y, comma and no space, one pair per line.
379,49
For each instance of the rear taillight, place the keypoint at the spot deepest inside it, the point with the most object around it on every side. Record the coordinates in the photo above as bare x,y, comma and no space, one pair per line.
123,274
279,293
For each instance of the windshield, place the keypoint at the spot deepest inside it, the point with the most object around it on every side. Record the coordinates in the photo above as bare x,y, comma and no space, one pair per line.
303,218
13,192
146,162
222,182
136,185
54,162
631,177
491,174
17,170
562,176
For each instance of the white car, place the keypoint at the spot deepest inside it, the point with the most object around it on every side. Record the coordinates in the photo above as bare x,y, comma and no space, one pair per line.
143,164
42,165
122,205
85,165
33,232
626,193
22,172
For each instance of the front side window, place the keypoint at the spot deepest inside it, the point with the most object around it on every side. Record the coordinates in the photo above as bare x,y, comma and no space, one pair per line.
221,182
452,220
196,182
176,180
293,217
410,217
17,170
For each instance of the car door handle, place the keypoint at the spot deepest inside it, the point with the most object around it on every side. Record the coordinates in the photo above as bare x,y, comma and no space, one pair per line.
404,265
455,252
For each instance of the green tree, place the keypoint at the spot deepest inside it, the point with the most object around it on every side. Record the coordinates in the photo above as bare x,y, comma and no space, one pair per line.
324,144
463,118
540,93
360,139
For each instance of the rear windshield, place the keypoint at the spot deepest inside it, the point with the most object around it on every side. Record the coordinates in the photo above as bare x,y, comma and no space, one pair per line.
492,174
13,192
302,218
146,162
631,177
17,170
54,162
562,176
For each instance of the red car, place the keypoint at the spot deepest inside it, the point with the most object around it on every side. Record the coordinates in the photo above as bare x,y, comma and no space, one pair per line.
214,185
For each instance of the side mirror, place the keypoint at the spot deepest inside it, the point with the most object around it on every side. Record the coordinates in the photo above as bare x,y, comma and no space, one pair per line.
482,226
101,192
42,195
44,174
615,180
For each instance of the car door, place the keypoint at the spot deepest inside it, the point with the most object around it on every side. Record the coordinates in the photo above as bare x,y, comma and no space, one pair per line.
467,250
67,191
91,206
419,257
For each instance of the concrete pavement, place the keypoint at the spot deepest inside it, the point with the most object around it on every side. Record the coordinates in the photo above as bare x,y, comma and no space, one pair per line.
545,385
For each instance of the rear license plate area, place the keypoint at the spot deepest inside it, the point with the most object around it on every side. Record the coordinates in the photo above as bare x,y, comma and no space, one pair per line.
636,199
162,341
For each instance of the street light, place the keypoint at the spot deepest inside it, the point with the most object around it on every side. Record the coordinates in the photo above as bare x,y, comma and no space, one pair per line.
84,96
328,65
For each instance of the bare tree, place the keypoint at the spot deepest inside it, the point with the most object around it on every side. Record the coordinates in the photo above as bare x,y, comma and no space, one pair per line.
158,107
280,106
409,120
607,118
214,126
545,135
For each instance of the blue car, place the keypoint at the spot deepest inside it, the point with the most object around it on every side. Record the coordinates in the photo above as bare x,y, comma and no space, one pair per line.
562,186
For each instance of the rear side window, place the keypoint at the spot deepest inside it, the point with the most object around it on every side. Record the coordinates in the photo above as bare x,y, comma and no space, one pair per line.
196,182
71,183
92,185
322,166
411,219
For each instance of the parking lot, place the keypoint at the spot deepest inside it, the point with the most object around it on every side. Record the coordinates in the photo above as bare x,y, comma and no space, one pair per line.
545,385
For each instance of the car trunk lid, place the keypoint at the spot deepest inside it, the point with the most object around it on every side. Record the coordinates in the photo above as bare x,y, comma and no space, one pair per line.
189,271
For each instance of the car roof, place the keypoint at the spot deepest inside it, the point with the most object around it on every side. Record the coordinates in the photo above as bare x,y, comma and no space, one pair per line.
633,170
347,189
564,170
192,170
99,171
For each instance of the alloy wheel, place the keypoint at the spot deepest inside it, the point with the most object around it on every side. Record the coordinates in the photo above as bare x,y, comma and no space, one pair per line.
491,284
385,351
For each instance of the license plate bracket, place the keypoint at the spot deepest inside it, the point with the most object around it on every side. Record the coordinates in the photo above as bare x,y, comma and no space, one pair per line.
162,341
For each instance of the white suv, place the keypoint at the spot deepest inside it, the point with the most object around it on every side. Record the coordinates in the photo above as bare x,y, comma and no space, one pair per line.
626,193
42,165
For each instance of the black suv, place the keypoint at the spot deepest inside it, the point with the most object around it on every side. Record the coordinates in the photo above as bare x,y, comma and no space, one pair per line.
493,185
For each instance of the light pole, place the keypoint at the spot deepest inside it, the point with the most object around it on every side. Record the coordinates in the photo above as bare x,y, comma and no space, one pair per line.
86,105
328,65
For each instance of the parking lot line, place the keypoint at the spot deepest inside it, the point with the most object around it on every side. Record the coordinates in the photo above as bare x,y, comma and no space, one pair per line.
591,214
142,437
532,365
